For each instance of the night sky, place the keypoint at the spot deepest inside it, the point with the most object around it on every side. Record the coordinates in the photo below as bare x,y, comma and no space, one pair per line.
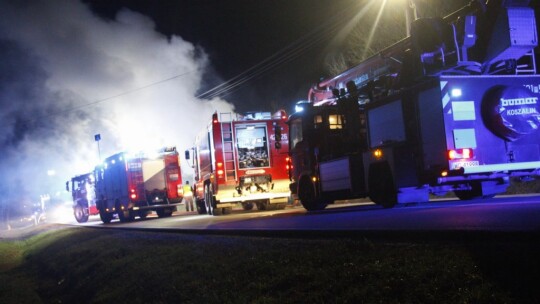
239,34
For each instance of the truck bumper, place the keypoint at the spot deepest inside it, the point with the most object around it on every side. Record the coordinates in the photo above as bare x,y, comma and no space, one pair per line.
275,198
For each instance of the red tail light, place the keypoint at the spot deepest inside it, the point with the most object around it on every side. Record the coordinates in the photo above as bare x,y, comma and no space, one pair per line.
465,153
220,170
133,194
288,165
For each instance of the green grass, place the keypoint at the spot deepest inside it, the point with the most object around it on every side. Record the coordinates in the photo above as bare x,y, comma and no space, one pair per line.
80,265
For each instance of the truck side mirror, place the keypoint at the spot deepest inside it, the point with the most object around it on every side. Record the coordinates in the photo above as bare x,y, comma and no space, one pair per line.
186,154
67,186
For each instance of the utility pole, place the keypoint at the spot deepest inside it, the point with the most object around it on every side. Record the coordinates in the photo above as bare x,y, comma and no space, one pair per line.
97,138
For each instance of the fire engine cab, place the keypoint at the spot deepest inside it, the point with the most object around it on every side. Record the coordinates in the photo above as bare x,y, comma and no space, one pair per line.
452,107
241,159
84,196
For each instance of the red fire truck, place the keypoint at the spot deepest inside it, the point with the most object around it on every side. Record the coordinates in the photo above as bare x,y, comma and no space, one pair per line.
453,107
241,159
129,185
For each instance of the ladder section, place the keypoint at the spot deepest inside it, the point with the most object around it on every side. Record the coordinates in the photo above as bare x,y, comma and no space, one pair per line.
228,146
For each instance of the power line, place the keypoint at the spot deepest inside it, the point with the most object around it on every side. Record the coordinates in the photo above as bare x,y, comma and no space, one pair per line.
287,54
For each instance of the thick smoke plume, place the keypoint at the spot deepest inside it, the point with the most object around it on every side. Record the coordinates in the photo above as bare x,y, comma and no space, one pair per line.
66,75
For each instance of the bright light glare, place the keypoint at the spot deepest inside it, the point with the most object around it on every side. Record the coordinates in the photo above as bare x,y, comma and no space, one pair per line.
456,92
298,108
61,214
51,172
373,28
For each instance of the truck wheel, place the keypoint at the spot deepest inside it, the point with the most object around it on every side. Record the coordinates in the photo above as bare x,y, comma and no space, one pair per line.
261,205
80,215
209,200
382,190
247,206
143,214
227,210
164,212
308,197
217,211
105,217
124,215
474,192
201,207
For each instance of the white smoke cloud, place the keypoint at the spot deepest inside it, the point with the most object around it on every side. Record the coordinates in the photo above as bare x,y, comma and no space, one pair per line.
60,67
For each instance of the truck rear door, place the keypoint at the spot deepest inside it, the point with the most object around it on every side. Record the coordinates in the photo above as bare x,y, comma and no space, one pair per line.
496,117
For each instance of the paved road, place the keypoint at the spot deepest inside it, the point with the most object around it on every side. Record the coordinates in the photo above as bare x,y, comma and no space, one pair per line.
509,214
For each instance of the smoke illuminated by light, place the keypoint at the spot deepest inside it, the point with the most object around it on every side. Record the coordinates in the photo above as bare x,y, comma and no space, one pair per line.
68,75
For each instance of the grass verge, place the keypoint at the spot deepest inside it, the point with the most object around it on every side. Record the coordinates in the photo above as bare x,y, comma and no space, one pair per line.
78,265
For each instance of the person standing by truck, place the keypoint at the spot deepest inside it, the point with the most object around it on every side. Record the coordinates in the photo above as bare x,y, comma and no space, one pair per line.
188,197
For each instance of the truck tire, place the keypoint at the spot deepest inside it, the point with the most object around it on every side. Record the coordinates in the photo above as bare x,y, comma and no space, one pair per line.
80,215
227,210
209,199
308,197
201,207
382,190
124,215
261,205
143,214
473,193
217,211
105,217
281,206
164,212
247,206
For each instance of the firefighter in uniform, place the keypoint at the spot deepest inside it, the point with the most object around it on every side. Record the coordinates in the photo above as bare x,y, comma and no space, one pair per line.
188,197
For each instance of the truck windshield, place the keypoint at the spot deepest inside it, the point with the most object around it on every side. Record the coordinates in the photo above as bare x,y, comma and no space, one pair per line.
252,145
